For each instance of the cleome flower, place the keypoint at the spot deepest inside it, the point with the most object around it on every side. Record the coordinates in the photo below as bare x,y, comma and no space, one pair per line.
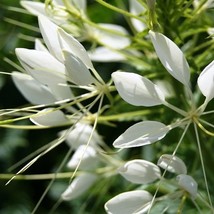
52,71
140,91
144,172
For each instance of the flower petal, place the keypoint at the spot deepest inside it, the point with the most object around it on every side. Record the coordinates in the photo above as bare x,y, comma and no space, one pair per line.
141,134
140,171
35,8
171,57
103,54
85,155
32,90
136,8
137,201
81,134
188,184
49,33
70,44
206,81
113,36
33,59
77,70
172,164
137,90
56,82
79,186
48,117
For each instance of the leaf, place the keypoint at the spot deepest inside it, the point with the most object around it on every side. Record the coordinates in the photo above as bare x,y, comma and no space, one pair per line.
137,201
141,134
171,57
137,90
206,81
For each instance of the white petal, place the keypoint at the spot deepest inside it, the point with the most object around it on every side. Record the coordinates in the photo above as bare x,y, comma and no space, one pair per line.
172,164
113,36
137,90
85,155
188,184
206,81
33,59
141,134
103,54
79,186
171,57
32,90
56,83
140,171
39,46
136,8
80,4
35,8
80,135
49,33
48,117
77,70
137,202
70,44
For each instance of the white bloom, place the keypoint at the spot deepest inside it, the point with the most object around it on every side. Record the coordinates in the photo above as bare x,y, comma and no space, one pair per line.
172,164
140,171
188,184
79,186
85,154
135,202
80,134
140,91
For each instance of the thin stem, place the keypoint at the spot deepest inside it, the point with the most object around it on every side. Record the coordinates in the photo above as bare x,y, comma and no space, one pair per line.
176,109
161,179
202,164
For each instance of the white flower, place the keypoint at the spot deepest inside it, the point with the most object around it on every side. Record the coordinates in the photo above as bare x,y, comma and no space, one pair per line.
172,164
140,171
188,184
135,202
79,186
86,156
140,91
80,134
